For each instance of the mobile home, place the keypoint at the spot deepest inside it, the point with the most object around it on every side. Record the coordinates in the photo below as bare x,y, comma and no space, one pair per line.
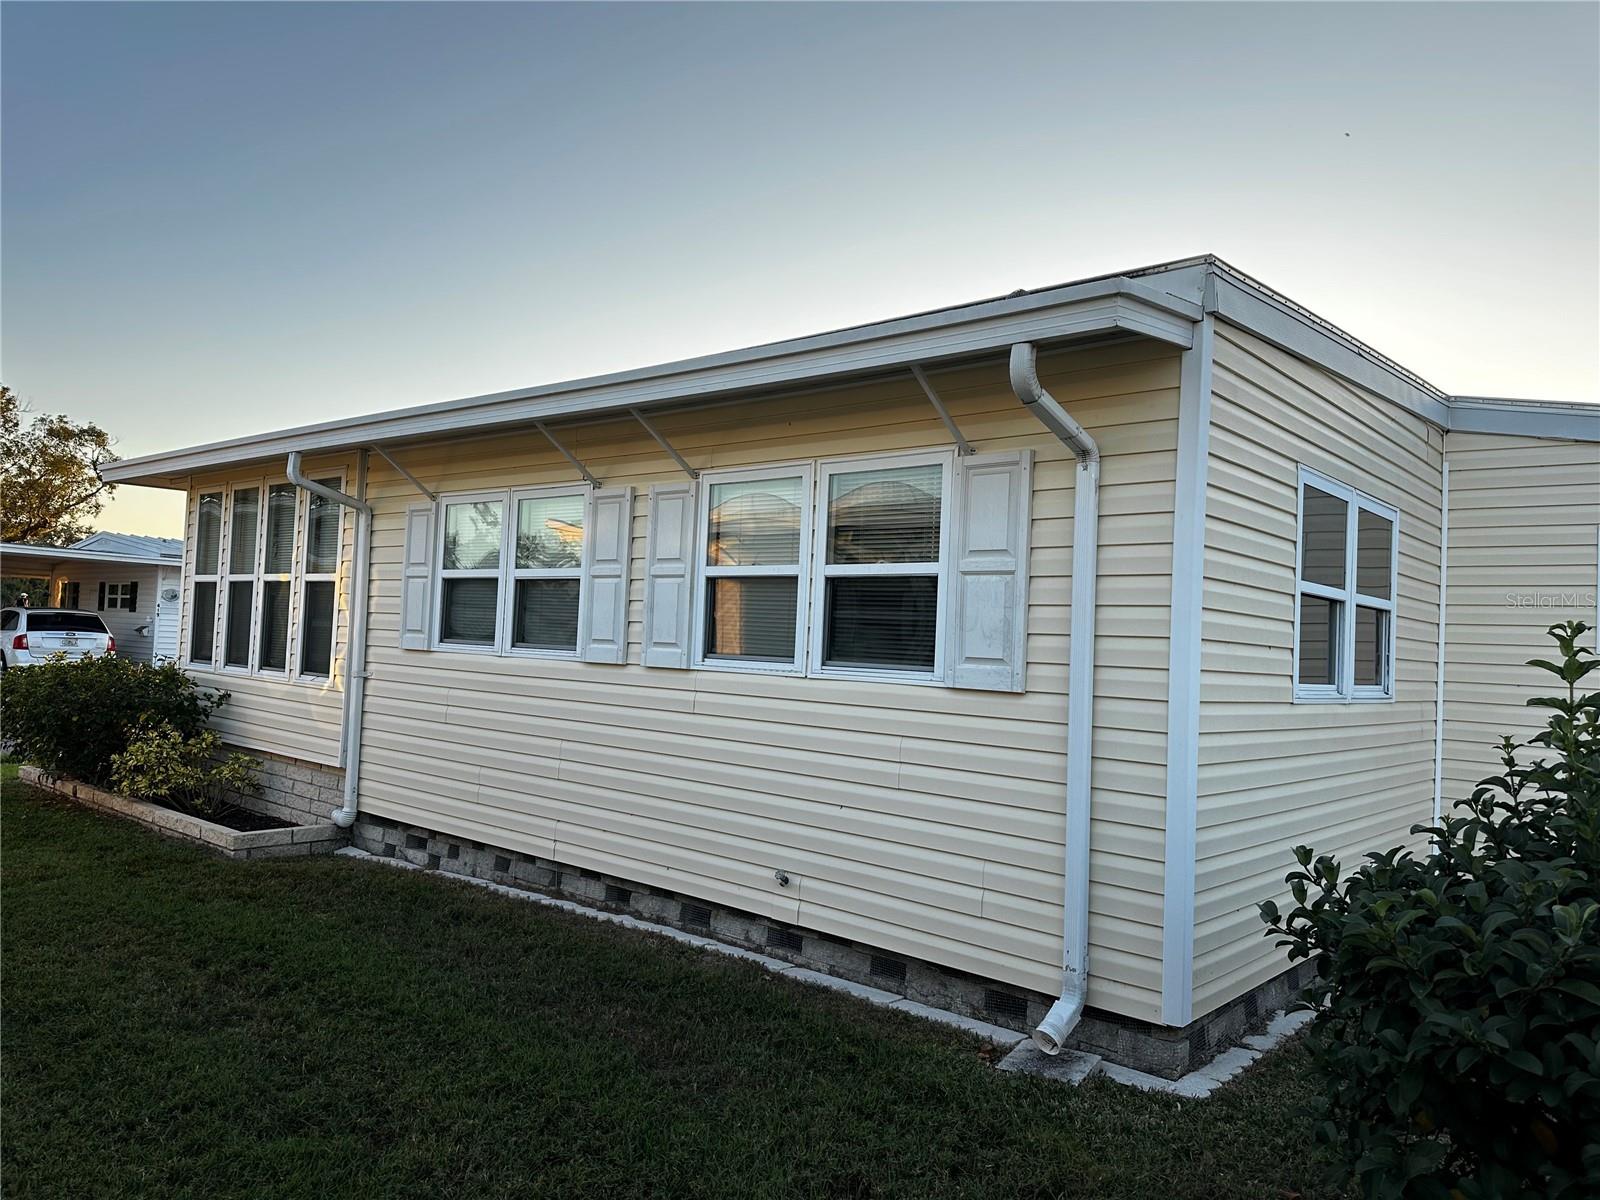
997,655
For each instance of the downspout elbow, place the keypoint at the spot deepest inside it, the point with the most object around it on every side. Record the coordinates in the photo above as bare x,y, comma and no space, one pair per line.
1025,383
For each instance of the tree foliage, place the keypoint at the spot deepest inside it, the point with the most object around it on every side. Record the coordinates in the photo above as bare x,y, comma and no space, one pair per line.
50,485
1459,993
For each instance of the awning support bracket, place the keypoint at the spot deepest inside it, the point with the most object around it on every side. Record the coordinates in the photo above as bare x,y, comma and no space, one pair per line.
567,454
415,482
962,445
650,428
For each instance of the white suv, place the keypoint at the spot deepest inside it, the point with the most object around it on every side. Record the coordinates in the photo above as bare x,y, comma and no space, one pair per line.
30,635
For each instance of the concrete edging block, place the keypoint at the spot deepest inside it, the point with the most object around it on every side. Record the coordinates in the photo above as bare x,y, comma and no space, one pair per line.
293,842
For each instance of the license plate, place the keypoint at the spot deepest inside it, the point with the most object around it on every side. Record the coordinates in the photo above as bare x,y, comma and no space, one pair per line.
70,639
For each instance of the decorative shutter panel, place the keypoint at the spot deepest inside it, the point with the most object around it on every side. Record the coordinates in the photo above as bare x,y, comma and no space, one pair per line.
416,584
669,575
133,596
989,583
102,600
603,602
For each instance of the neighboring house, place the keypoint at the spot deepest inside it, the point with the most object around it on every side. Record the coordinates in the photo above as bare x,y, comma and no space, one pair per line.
130,580
997,654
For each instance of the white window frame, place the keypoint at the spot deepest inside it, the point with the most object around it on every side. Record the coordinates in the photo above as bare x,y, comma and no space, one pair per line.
803,470
290,641
117,596
511,572
304,575
506,574
229,572
231,576
1344,689
823,570
440,574
217,578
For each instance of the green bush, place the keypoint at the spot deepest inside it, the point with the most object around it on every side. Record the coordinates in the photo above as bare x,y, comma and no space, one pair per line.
192,774
72,717
1459,993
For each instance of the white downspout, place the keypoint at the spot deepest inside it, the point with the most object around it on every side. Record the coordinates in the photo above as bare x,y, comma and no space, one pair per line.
1064,1014
356,664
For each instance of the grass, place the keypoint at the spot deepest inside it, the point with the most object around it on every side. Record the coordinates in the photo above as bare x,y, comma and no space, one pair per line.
185,1026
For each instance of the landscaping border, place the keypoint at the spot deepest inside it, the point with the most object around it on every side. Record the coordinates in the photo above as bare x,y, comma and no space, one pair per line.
296,841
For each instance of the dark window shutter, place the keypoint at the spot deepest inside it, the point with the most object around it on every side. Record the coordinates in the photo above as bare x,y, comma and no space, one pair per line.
102,600
133,596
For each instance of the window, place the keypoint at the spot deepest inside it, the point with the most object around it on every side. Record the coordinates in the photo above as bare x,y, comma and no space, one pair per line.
881,549
272,553
203,588
854,551
757,528
317,572
69,594
1345,594
112,595
510,571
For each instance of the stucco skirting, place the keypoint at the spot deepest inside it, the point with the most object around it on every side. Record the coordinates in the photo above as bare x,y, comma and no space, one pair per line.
1167,1053
294,842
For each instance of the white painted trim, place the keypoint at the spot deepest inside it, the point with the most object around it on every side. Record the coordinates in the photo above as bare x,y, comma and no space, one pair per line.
1183,678
1444,608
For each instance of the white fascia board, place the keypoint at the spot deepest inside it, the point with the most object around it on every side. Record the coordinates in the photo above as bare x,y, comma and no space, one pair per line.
1525,418
1076,311
1283,327
13,553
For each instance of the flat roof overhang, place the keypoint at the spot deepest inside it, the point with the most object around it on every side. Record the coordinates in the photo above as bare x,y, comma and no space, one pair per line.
18,558
1088,311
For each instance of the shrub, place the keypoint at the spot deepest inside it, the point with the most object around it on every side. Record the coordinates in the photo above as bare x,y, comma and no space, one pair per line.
72,717
191,774
1459,993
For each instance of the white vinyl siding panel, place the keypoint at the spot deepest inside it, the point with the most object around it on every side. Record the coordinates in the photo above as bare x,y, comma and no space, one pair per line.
1524,522
295,718
1343,778
123,624
925,820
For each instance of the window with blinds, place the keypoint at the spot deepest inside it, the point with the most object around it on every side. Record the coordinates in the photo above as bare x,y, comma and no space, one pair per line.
510,570
852,551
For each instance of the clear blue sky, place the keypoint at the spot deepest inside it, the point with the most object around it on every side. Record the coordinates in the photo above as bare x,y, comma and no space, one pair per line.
223,218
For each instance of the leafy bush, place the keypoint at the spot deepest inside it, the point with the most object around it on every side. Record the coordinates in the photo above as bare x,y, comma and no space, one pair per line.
192,774
1459,993
72,717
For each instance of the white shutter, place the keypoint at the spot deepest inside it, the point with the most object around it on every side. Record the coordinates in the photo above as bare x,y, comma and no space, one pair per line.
416,585
989,581
669,575
603,605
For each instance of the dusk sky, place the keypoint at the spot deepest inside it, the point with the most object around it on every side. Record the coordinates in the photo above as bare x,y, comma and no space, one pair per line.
225,218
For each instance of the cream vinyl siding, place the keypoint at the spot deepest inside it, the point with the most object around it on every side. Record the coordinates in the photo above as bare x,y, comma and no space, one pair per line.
296,719
921,819
1341,777
1524,514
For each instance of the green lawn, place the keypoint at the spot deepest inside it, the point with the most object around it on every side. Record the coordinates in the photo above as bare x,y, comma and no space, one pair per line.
182,1026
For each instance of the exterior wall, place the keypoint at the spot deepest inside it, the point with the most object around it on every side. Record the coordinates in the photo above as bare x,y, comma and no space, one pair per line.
1343,778
301,719
125,626
1524,527
923,820
168,613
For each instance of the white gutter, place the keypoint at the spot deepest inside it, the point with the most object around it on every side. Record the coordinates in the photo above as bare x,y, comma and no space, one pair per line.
356,667
1065,1013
